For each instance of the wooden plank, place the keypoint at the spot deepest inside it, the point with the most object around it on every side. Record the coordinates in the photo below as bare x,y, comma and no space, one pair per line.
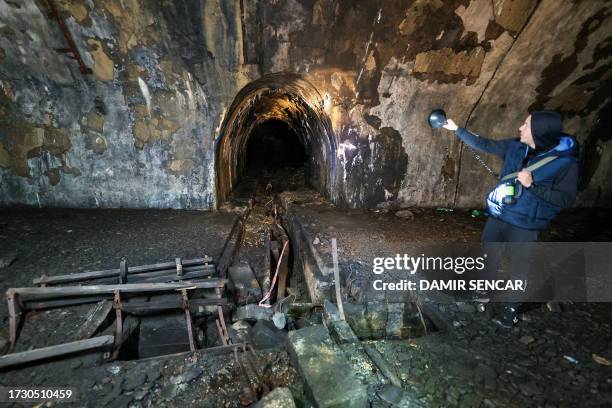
152,307
16,359
231,246
96,317
26,294
211,351
143,277
337,278
74,277
49,304
175,277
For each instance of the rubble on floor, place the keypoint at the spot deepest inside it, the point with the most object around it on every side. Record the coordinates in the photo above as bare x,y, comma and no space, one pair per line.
297,350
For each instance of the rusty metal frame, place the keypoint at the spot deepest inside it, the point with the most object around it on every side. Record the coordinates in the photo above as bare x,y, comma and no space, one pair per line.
188,318
221,334
118,324
223,326
20,300
179,267
13,309
123,271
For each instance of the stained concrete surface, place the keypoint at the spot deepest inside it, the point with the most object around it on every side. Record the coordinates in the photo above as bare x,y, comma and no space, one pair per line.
144,129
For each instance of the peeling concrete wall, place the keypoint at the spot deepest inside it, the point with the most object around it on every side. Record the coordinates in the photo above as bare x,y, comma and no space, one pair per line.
567,70
141,130
387,64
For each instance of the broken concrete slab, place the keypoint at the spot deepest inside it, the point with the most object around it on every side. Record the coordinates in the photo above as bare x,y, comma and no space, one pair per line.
328,379
331,311
245,286
266,335
187,375
279,397
239,331
134,380
342,332
395,324
252,312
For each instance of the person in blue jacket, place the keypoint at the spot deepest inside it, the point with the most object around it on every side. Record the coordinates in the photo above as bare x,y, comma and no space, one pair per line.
539,195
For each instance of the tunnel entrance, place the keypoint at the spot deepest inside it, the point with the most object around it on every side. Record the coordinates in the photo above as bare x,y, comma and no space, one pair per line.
276,128
274,145
276,156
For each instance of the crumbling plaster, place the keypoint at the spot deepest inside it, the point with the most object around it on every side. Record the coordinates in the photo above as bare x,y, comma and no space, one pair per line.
142,129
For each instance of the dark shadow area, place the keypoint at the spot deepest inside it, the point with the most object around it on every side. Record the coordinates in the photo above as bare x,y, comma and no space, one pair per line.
275,160
273,146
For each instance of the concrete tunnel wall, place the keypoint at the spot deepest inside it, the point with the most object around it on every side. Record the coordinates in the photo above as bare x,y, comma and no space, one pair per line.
142,131
293,100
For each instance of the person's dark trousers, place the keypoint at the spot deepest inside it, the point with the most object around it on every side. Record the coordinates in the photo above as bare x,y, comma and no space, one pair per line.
499,231
494,232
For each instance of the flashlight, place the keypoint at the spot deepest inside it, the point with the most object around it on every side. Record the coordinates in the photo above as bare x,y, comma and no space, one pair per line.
437,118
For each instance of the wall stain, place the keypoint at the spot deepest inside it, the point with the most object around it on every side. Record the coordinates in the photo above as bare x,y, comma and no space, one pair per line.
561,67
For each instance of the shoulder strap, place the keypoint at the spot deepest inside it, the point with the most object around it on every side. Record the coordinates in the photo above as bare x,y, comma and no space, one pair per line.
533,167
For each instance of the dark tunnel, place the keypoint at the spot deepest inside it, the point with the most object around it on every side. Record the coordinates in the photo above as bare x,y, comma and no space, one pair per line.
273,145
276,132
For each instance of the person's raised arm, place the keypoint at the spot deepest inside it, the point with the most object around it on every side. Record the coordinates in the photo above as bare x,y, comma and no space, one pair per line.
497,147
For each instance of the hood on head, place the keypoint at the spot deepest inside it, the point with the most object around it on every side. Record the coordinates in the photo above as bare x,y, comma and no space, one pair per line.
546,128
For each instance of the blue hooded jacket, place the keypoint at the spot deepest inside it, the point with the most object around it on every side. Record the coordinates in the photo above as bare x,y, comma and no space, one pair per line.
555,184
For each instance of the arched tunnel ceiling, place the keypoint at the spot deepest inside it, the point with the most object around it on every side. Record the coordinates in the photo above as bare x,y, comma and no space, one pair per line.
288,98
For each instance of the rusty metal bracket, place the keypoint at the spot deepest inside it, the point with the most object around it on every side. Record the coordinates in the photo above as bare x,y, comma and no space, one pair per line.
118,324
187,318
223,326
221,334
179,267
13,308
72,47
123,271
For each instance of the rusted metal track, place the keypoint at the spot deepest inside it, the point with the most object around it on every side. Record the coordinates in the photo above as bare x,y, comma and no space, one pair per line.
165,267
28,294
231,245
118,324
16,296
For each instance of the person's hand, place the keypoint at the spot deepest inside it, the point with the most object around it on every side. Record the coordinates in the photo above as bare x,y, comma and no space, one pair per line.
450,125
525,178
